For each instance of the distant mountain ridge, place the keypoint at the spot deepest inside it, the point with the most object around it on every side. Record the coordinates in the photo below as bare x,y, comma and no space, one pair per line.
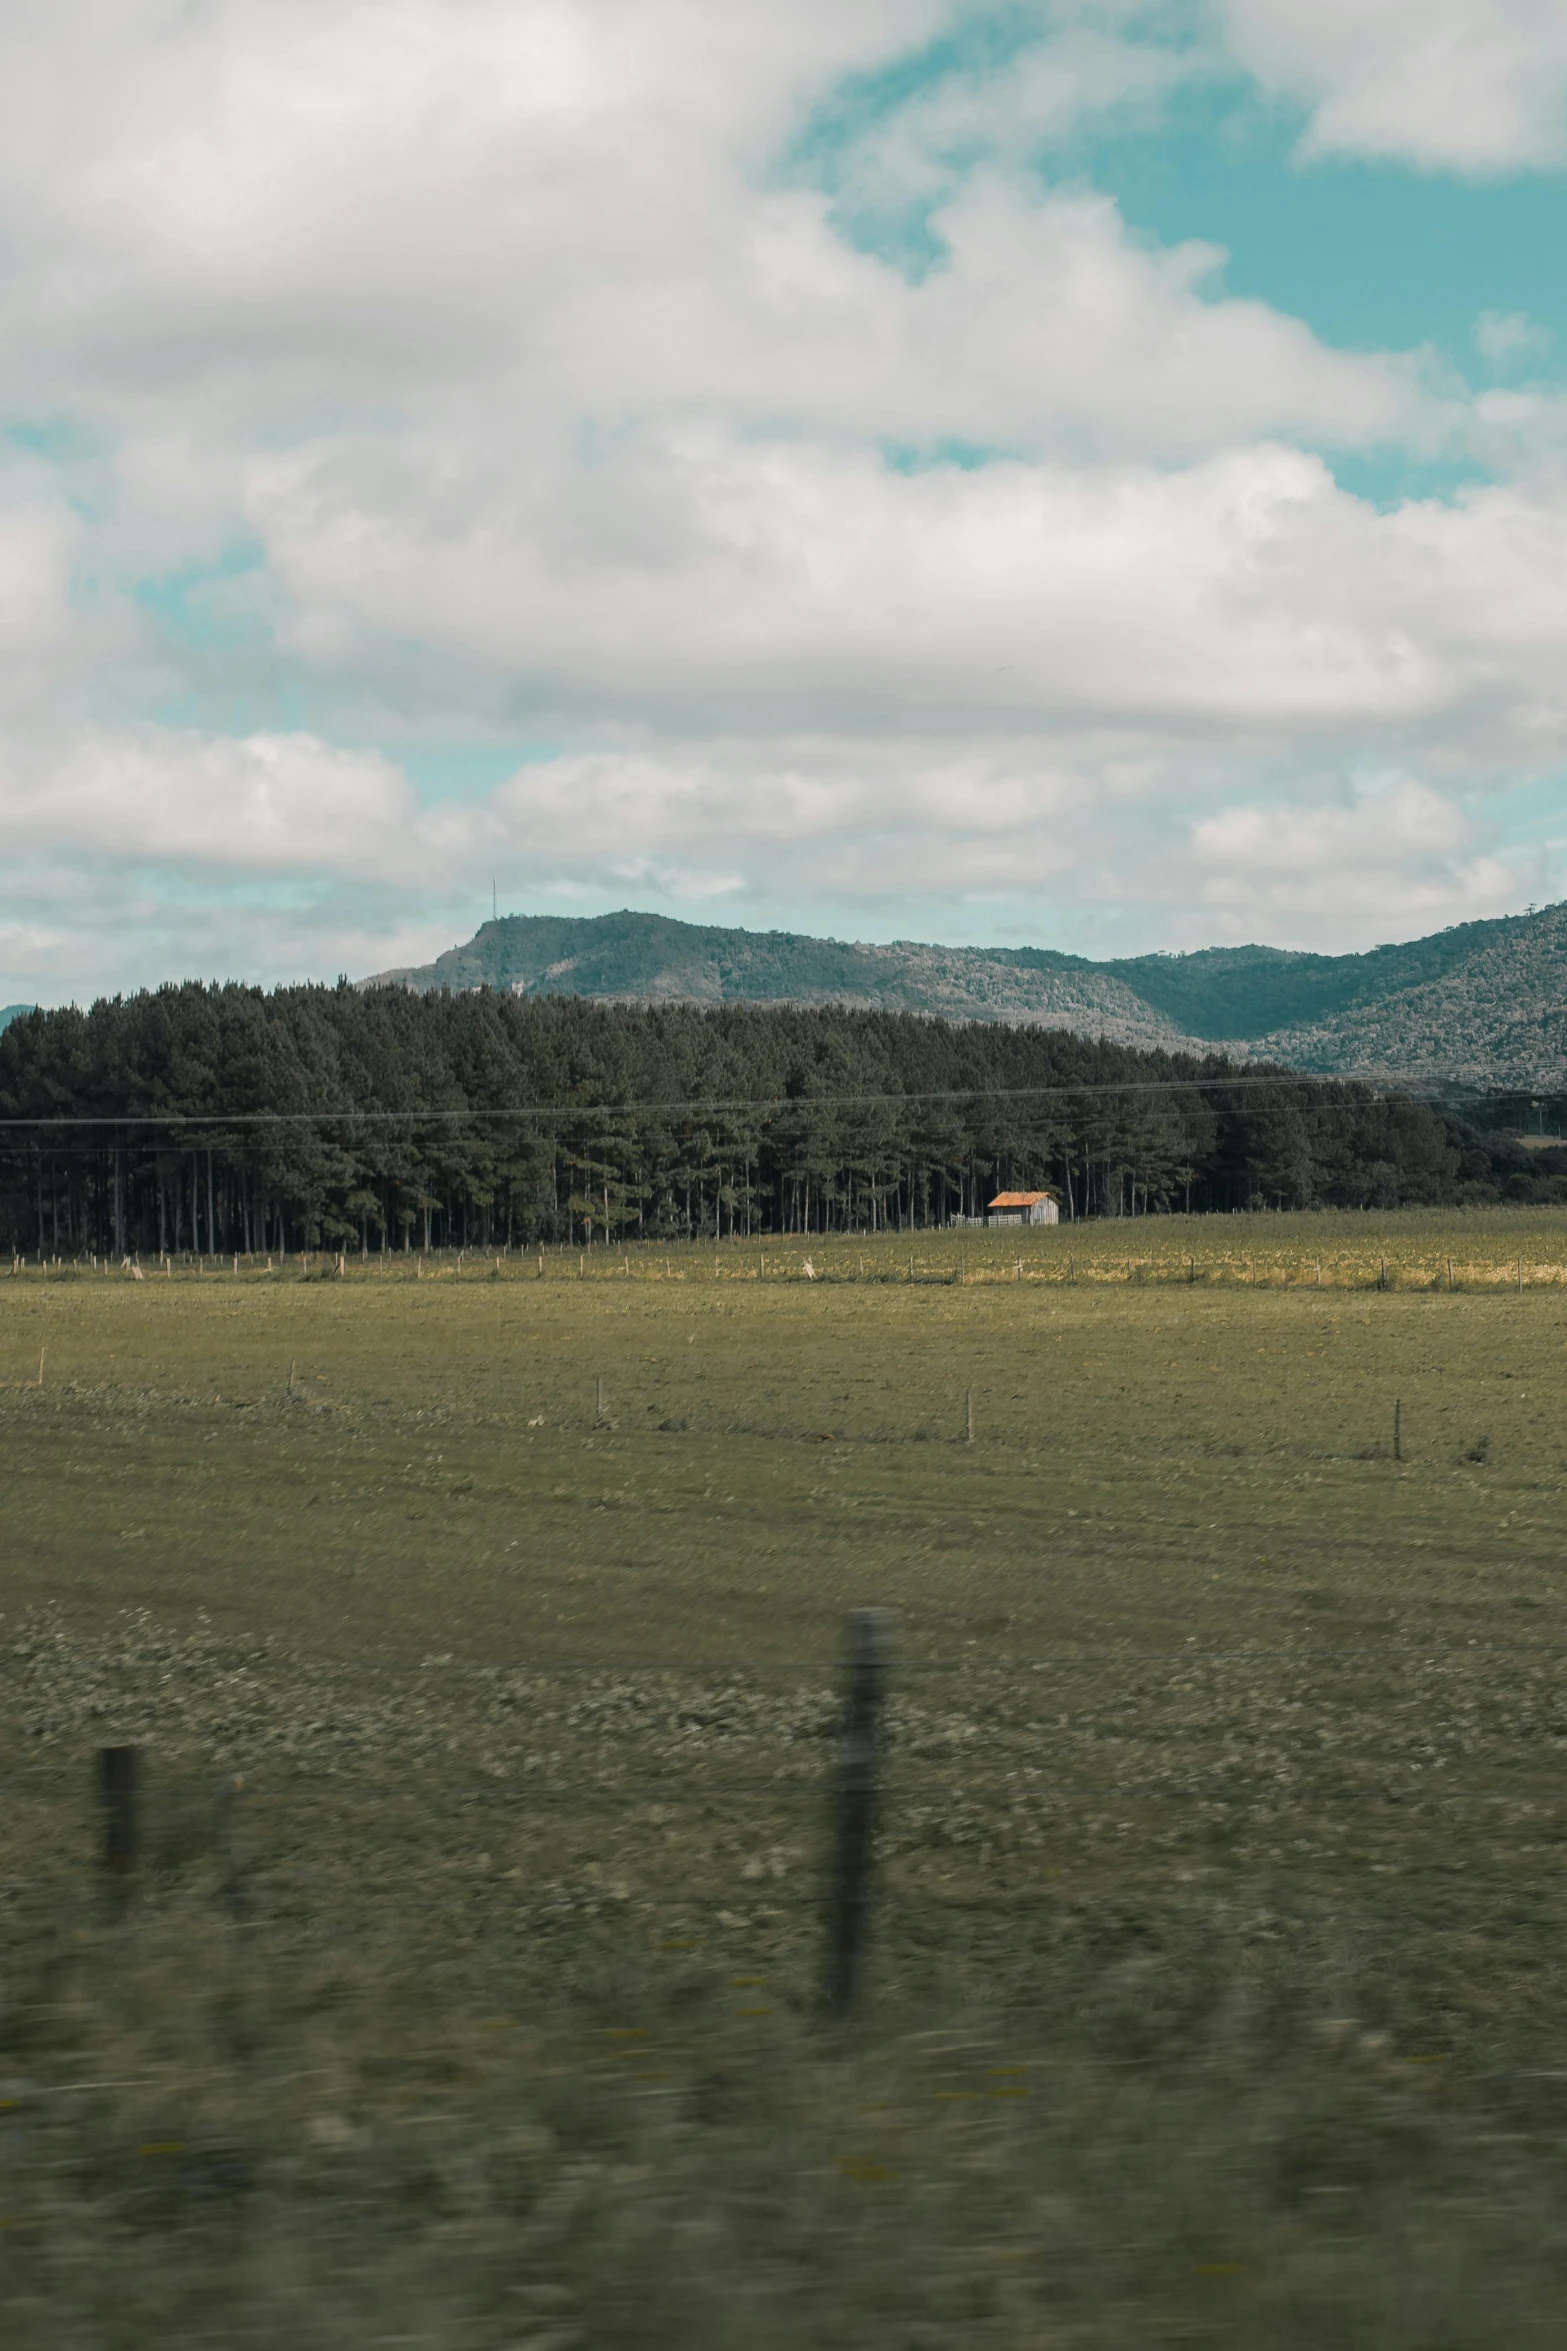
10,1012
1481,1005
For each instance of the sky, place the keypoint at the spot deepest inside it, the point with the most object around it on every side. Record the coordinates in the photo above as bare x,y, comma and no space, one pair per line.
1089,474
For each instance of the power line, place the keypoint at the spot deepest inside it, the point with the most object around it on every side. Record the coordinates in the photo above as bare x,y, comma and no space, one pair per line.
773,1107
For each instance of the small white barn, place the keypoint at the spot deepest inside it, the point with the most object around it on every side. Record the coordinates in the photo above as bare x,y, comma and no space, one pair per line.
1024,1208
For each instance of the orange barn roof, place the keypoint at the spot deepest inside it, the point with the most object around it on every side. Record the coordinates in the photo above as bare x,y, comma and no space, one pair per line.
1020,1199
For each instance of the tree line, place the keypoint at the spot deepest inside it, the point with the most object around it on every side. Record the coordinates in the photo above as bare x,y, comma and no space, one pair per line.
383,1119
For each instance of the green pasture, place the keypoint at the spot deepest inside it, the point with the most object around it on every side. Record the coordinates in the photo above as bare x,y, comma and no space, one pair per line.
1217,1990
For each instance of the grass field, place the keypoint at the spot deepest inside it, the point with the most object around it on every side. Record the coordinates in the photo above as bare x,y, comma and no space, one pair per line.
1217,1991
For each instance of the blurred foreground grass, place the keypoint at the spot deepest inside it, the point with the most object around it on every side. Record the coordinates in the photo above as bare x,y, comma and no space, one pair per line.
1217,1988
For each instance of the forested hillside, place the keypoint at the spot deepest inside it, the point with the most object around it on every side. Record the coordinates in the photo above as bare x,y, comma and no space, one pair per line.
1481,1005
650,959
1495,1017
382,1118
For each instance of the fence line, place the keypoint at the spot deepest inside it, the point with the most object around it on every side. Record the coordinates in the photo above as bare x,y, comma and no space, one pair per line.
1090,1262
1291,1796
753,1670
1100,1792
864,1778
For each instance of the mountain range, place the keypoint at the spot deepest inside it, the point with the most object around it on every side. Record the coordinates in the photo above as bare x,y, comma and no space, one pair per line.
1480,1006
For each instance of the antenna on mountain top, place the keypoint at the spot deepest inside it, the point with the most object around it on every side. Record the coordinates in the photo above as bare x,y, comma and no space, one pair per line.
494,907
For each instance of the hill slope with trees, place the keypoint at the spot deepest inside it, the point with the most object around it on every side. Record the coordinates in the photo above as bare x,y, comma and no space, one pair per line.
1481,1005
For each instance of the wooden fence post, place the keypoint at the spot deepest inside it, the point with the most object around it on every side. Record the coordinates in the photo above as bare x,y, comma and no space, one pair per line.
968,1416
854,1827
1398,1429
117,1793
226,1841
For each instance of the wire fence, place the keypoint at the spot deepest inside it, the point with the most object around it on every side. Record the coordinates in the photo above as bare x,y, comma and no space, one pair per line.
875,1785
1062,1257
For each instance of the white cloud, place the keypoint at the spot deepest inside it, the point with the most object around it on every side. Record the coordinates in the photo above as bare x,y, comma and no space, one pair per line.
289,857
254,218
540,398
1350,859
51,625
1009,110
733,585
1018,820
1503,336
259,805
1470,85
262,198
